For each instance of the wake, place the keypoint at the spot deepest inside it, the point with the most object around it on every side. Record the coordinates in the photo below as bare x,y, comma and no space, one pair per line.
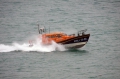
37,46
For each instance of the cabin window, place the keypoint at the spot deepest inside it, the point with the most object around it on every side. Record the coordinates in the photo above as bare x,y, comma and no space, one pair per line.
52,36
48,36
58,35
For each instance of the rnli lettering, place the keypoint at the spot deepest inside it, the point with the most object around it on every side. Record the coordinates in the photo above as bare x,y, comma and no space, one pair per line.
85,38
76,40
80,40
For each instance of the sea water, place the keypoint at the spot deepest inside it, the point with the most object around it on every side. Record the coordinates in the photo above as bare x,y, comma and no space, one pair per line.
98,59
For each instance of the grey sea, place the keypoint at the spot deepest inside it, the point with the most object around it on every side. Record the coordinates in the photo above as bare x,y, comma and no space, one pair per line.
98,59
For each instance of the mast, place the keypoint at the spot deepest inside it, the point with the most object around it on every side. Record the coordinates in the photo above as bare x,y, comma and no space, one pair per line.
45,29
38,29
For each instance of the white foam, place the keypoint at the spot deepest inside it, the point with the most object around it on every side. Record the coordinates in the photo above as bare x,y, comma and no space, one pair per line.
37,46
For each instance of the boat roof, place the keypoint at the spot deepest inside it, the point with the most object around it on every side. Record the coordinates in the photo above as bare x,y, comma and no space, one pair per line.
55,33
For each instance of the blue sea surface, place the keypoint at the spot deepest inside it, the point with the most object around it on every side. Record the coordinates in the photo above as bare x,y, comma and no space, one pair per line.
98,59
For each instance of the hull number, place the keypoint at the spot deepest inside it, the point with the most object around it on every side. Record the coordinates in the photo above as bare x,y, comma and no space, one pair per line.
80,40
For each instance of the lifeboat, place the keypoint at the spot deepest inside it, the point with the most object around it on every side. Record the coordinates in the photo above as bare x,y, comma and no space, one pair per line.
69,41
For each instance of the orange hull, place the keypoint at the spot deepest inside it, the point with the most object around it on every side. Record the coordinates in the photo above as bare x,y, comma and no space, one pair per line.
67,40
56,37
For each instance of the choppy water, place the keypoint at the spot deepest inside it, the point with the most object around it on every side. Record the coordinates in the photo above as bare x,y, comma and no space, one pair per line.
98,59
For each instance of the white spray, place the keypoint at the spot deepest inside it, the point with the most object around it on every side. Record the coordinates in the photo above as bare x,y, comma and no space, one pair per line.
37,46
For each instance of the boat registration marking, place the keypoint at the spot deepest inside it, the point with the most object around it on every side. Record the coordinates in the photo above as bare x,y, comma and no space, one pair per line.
79,40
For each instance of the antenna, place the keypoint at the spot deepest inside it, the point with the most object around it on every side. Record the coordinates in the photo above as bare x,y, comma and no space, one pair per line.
45,29
38,29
